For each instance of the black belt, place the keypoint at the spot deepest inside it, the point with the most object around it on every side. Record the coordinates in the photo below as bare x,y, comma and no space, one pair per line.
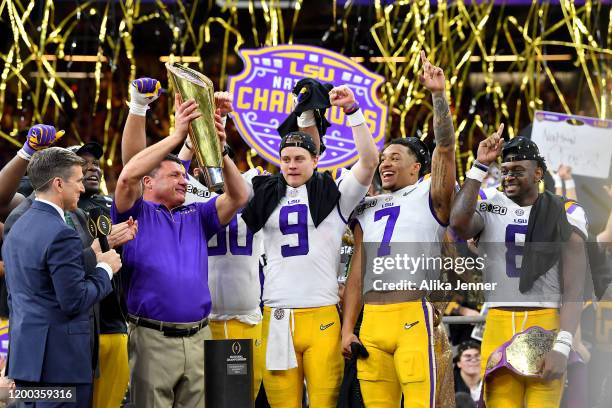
169,329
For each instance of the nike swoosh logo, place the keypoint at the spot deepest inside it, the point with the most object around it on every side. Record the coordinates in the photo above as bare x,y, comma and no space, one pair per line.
325,326
409,325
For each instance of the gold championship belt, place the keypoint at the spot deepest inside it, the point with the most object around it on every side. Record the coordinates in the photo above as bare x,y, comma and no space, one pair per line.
191,84
524,353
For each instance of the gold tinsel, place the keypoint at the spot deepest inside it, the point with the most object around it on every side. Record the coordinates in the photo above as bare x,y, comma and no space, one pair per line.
453,35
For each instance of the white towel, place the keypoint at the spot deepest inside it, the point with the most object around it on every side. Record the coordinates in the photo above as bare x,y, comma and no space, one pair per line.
280,354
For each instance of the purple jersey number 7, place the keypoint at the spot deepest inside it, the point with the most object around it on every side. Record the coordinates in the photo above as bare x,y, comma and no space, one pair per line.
392,213
300,228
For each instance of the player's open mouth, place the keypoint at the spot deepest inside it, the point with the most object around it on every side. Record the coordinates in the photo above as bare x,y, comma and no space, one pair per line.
95,179
387,174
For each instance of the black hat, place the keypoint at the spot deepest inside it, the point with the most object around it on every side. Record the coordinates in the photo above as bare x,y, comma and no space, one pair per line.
92,148
419,149
522,148
298,139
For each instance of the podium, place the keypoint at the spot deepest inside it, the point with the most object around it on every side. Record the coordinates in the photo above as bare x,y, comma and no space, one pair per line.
229,373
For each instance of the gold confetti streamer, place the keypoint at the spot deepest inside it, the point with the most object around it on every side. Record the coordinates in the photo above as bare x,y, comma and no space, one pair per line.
463,37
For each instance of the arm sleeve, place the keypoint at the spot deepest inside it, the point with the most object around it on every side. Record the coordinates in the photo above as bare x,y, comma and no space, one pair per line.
577,218
76,292
209,217
133,212
351,193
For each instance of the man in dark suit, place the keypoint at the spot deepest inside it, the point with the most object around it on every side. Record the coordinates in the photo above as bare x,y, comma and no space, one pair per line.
50,295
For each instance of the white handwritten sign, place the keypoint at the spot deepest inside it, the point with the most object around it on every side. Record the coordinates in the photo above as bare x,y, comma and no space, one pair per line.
583,143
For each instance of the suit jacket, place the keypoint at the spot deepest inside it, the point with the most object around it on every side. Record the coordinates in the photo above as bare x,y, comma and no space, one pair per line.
79,219
50,298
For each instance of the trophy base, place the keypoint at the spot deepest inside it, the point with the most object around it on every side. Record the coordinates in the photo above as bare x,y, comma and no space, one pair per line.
213,178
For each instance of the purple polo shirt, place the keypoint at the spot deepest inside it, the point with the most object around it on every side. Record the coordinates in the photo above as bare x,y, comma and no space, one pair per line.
166,265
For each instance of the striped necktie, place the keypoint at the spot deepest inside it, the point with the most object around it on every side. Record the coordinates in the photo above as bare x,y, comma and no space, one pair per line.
69,221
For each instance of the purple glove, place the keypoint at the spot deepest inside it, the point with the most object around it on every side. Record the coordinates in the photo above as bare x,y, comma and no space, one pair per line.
143,91
40,137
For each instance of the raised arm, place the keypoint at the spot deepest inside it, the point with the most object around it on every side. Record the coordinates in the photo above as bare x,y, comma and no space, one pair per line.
223,102
143,91
443,158
39,137
128,188
236,193
367,163
464,220
352,296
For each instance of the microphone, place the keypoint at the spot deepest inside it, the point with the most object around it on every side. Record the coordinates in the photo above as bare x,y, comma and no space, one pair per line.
100,226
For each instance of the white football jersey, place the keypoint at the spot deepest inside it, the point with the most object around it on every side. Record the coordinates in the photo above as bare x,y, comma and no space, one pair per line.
233,262
403,216
302,261
501,242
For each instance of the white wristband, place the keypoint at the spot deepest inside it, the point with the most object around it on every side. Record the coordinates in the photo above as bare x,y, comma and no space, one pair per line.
565,337
562,348
306,119
557,179
356,118
570,184
476,174
23,154
138,109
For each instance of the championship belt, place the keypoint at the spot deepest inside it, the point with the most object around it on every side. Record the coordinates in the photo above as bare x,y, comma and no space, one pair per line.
191,84
523,354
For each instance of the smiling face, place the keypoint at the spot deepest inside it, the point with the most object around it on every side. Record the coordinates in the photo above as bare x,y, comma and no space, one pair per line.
166,185
398,167
92,174
469,362
520,180
297,165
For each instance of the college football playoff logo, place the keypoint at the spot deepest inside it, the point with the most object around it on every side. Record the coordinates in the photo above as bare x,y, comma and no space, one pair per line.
236,348
279,314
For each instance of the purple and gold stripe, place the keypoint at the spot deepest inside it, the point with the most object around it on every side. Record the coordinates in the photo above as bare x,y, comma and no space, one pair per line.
432,362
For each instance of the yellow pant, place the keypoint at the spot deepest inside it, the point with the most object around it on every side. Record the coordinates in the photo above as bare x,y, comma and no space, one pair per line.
110,387
399,338
316,339
506,389
234,329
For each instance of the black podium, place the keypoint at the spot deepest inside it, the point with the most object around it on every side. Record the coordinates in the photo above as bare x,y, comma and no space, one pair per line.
229,373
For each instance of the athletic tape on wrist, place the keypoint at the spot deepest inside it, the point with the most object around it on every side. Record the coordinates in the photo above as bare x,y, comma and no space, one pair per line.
562,348
306,119
224,120
138,109
24,155
476,174
570,184
356,118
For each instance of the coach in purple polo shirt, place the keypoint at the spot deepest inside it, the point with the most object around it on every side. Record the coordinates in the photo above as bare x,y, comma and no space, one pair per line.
168,298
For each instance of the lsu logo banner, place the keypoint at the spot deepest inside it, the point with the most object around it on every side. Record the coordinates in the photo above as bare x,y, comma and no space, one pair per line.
262,99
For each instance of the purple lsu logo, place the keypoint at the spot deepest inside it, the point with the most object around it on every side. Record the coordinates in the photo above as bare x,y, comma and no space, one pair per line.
262,99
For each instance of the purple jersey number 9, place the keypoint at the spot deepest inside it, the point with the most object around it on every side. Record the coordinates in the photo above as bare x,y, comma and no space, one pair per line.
392,213
234,246
513,250
300,228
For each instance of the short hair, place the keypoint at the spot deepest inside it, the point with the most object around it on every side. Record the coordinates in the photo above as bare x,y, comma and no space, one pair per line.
170,157
50,163
417,149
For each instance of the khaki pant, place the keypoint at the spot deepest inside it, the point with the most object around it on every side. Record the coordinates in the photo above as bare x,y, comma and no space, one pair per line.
166,371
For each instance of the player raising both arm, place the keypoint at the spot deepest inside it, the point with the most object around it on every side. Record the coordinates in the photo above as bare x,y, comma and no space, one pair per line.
535,287
397,328
303,214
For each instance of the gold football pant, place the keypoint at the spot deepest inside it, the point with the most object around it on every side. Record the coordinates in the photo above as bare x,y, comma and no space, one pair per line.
109,388
234,329
506,389
316,339
399,338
